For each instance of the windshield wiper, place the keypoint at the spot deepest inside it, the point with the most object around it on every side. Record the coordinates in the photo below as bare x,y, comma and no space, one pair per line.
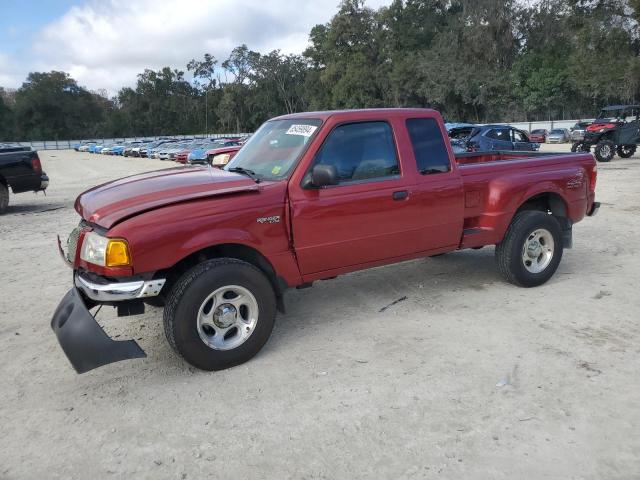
245,171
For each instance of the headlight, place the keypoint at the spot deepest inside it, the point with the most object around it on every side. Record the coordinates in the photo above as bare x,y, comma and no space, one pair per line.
107,252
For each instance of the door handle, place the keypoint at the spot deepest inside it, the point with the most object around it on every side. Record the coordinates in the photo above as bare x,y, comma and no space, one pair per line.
400,195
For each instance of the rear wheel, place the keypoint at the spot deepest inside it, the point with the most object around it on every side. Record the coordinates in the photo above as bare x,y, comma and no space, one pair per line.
579,147
626,151
605,150
220,313
4,197
531,250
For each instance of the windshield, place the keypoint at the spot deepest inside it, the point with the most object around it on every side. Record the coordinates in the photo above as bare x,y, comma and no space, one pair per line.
557,131
537,131
274,149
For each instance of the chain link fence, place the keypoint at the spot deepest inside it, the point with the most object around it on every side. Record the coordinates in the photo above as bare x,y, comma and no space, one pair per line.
69,144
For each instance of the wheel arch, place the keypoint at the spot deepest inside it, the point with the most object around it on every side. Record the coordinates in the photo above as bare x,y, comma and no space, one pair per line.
237,251
552,203
547,201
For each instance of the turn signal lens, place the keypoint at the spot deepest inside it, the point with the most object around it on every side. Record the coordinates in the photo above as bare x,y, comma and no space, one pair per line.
117,254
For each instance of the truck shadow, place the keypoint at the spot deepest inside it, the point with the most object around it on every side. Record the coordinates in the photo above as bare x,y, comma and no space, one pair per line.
375,293
33,208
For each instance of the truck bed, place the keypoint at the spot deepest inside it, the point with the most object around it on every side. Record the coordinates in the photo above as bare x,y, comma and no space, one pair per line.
20,169
496,183
499,156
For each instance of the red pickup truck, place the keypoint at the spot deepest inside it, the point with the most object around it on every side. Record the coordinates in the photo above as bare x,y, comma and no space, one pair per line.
309,197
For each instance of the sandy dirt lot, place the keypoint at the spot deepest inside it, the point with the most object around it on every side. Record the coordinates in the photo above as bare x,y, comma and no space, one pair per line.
468,377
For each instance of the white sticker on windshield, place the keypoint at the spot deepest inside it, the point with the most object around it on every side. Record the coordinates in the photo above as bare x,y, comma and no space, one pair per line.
304,130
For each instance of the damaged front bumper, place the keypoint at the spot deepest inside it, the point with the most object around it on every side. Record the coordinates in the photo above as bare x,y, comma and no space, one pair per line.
102,291
83,340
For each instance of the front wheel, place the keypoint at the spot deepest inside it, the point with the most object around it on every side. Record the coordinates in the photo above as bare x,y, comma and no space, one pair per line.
531,250
626,151
605,151
220,313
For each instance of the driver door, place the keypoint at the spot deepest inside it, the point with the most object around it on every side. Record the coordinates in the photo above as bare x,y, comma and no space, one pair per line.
372,214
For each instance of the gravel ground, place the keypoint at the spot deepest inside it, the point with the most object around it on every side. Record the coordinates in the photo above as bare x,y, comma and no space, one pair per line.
467,377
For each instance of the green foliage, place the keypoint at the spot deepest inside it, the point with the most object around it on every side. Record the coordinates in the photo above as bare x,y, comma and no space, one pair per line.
475,60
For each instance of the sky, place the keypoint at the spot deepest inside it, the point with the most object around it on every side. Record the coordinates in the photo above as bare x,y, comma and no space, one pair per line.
104,44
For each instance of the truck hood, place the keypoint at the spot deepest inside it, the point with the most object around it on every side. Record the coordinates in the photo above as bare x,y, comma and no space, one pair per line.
112,202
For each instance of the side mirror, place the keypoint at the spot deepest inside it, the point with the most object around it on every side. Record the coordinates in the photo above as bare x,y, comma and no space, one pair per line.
324,175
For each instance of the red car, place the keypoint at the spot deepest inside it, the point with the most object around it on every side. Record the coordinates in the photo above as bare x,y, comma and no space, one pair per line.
219,157
181,156
539,135
310,196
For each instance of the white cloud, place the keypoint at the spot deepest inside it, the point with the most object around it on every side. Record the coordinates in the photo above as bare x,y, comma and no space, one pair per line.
10,74
104,44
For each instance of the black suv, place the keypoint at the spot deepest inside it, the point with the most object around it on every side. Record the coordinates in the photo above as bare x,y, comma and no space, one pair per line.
616,130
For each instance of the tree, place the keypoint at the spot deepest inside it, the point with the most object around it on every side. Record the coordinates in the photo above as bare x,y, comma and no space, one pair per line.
6,118
53,106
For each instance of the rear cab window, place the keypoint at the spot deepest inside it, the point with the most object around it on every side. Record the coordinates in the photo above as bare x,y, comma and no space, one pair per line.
428,144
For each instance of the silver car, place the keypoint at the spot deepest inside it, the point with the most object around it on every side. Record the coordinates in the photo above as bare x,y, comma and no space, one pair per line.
558,135
577,131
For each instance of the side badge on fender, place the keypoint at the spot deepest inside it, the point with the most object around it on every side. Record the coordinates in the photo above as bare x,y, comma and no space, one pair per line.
273,219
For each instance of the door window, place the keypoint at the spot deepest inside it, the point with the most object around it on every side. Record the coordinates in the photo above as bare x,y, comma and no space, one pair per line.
499,134
518,136
360,151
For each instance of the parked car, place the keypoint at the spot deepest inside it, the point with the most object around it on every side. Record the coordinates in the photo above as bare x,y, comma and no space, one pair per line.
217,157
578,130
20,171
166,151
86,146
616,130
539,135
162,153
78,147
118,149
199,155
95,147
558,135
458,135
183,152
485,138
133,150
309,197
106,149
129,146
150,149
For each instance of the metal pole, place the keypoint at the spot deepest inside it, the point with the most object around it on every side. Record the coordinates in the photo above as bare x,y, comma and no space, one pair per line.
206,112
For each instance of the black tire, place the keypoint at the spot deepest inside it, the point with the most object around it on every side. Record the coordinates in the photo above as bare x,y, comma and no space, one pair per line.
626,151
605,150
4,197
579,147
509,252
191,290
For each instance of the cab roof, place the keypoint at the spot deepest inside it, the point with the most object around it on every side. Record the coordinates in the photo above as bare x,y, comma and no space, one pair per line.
347,114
